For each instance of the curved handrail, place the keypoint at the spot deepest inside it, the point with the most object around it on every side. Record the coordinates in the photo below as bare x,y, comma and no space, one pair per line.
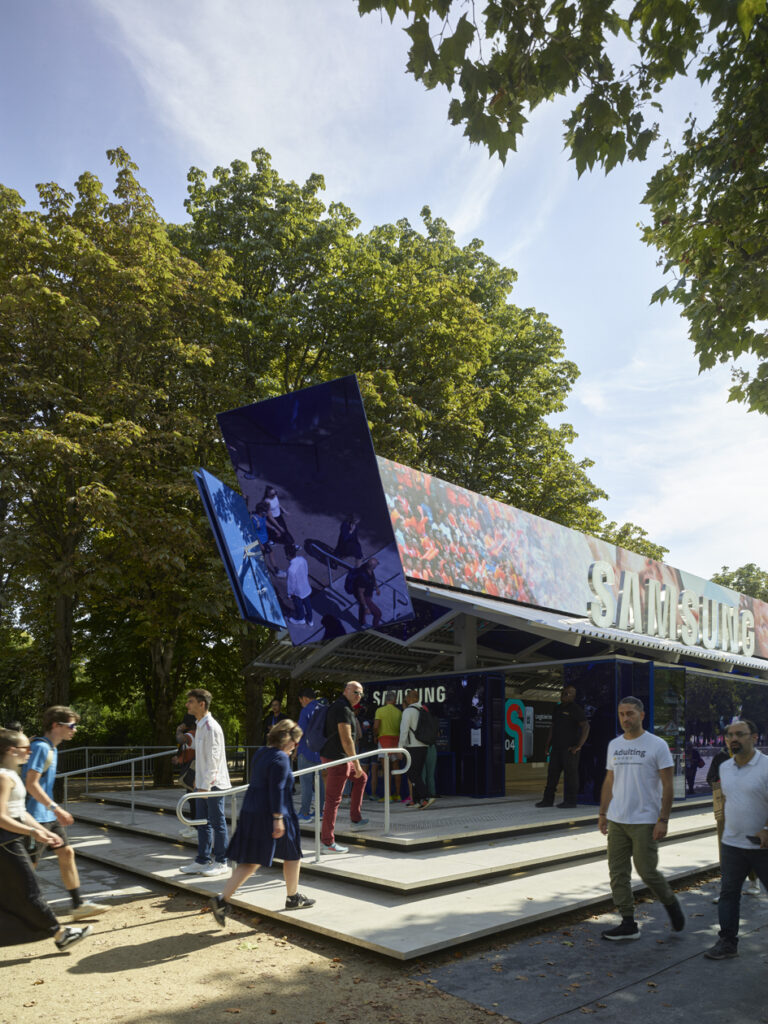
384,753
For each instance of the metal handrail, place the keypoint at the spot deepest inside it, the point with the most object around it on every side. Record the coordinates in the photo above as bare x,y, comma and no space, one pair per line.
384,753
114,764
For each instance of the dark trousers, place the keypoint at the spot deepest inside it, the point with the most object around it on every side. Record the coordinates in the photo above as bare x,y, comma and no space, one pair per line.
561,760
24,914
736,865
416,773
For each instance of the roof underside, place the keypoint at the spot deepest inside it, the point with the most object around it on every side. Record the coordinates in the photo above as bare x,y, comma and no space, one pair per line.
506,634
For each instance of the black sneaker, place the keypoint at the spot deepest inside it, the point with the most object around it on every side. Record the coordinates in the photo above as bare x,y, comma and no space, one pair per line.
219,908
71,936
722,950
676,915
543,803
298,902
624,932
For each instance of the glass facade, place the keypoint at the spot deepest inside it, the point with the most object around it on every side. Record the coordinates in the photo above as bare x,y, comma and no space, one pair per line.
494,726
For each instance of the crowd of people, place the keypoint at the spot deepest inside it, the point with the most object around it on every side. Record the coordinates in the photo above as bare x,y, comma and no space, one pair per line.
635,806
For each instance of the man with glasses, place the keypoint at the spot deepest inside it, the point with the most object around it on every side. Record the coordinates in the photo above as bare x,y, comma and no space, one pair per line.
744,783
341,729
39,774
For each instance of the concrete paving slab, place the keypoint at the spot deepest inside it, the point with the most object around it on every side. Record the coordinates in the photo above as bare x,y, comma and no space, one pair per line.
571,971
400,926
417,869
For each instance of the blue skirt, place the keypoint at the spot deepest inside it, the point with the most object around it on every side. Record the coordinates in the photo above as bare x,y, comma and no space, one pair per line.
252,842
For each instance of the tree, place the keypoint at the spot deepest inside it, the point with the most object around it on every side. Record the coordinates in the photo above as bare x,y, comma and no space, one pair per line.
747,579
108,393
708,201
456,380
633,538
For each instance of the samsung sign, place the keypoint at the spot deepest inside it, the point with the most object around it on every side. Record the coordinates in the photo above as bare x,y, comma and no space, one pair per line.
645,605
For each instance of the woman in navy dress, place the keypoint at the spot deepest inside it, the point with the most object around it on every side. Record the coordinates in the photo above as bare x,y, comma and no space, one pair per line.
268,826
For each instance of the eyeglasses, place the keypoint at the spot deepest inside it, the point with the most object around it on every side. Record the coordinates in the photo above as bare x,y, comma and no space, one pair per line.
70,725
736,735
23,748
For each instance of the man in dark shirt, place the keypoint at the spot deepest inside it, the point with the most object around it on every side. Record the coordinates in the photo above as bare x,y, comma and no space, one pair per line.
341,730
567,735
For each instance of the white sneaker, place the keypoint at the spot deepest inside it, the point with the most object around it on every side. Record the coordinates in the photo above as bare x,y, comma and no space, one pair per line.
194,868
753,889
215,869
88,909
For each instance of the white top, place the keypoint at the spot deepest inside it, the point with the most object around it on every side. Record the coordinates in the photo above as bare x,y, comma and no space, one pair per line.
297,581
210,755
746,799
408,723
274,506
637,787
17,799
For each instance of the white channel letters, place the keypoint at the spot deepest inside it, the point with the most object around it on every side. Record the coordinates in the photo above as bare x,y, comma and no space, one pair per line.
688,617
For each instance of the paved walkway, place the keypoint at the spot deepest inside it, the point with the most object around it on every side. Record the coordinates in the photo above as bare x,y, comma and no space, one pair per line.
570,971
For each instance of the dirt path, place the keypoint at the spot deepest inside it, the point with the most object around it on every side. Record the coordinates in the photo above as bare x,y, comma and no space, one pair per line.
159,957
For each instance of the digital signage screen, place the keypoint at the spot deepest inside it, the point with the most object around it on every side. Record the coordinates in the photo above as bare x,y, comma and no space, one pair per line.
453,537
308,473
240,551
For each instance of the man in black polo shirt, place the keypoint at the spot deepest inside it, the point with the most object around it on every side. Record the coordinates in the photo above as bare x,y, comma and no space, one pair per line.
567,735
341,730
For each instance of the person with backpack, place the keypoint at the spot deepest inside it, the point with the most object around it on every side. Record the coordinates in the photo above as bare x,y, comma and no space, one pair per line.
305,756
417,732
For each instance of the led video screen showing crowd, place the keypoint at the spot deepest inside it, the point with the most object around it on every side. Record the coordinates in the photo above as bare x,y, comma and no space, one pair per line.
309,477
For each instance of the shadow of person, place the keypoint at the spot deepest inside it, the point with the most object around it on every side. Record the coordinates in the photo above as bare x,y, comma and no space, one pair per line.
150,953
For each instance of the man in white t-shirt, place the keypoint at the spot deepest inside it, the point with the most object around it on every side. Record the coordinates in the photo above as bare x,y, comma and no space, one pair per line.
744,782
635,802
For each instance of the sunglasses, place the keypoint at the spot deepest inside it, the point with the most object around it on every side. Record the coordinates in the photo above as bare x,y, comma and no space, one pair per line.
69,725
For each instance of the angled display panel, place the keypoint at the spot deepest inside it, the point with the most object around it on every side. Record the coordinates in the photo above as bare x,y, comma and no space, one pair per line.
308,472
454,537
241,552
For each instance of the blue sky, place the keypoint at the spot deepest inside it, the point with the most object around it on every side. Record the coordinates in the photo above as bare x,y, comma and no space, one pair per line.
202,82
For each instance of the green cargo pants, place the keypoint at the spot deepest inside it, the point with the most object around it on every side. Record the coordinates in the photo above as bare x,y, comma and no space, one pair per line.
634,842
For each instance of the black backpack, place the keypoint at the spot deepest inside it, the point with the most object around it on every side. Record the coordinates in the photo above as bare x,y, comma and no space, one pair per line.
427,727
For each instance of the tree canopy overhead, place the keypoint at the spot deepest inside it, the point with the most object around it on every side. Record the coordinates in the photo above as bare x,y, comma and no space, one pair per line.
122,336
503,58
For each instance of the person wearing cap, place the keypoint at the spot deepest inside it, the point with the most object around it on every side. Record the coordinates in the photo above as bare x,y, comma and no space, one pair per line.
635,803
306,758
386,731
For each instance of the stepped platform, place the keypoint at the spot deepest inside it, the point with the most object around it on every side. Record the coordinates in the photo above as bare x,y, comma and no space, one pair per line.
461,870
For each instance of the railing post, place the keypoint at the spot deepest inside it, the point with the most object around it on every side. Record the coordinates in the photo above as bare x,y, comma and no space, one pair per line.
143,768
386,795
133,792
87,772
66,789
317,814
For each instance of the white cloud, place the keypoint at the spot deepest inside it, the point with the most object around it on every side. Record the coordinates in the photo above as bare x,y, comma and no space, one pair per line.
676,457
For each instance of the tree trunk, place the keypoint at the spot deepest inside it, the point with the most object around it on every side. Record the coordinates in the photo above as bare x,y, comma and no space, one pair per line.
159,698
58,684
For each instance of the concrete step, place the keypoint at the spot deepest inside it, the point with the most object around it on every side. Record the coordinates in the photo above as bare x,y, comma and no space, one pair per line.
399,925
418,870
